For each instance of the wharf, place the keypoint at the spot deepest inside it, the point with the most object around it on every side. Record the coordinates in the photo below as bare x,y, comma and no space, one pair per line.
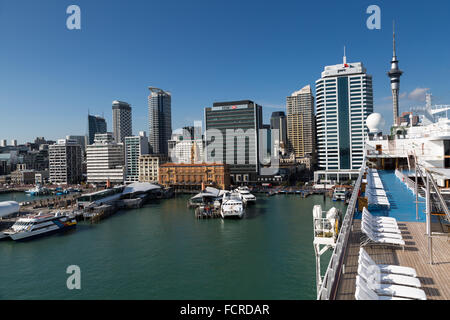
207,213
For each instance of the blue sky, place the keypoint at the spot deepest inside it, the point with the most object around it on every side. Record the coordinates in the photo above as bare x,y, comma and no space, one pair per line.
202,51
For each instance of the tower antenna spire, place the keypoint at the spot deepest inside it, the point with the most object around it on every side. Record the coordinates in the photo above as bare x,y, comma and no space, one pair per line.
345,57
393,37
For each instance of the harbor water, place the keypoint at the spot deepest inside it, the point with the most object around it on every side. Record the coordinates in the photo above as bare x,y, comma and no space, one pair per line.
161,251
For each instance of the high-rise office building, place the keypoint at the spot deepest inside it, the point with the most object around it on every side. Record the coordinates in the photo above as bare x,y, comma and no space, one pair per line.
278,122
96,124
122,125
134,148
105,160
81,140
3,143
344,100
300,122
159,120
65,162
239,123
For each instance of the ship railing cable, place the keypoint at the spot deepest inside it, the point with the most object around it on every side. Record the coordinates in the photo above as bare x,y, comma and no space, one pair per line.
328,288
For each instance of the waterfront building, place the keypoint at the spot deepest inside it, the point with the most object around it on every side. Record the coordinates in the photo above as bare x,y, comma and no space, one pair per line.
122,125
300,122
192,176
278,122
238,123
134,148
3,143
105,160
344,100
159,120
14,142
22,176
41,177
149,167
96,124
185,147
65,162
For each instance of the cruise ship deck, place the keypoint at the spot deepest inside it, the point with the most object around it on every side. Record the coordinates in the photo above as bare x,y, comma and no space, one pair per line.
434,278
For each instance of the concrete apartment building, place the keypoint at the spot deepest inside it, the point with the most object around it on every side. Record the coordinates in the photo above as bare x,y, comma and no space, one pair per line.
300,122
105,160
134,147
121,117
65,162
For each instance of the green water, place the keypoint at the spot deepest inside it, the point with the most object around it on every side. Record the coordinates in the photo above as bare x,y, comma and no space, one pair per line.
21,196
162,252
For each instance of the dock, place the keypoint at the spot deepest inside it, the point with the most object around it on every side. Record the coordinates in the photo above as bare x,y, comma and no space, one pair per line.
207,213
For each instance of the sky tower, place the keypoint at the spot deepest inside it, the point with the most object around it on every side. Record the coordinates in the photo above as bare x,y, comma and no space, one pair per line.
394,74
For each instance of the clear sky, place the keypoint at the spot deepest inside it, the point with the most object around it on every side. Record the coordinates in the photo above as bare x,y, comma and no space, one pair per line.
203,51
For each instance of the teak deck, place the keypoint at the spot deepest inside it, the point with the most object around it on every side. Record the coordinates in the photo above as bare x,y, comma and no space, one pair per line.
435,279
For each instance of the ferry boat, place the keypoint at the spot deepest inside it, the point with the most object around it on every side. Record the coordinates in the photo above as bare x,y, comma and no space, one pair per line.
246,196
232,206
339,194
41,224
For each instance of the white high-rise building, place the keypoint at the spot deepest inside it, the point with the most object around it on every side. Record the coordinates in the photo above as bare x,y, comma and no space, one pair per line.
134,147
105,160
344,100
122,125
65,162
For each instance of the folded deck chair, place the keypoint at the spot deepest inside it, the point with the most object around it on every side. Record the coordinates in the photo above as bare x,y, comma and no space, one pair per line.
386,268
365,293
393,290
369,238
366,272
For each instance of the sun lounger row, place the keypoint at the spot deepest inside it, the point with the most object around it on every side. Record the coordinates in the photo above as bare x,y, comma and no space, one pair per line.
386,282
380,230
376,195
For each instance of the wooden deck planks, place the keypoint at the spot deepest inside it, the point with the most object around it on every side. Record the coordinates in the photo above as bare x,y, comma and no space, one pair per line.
435,278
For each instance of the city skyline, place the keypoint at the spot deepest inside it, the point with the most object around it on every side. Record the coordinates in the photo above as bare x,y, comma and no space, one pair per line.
200,74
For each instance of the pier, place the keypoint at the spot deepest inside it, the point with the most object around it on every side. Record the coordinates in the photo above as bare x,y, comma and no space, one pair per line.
205,212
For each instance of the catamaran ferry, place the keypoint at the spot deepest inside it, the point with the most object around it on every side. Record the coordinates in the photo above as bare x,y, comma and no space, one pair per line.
39,225
232,206
246,196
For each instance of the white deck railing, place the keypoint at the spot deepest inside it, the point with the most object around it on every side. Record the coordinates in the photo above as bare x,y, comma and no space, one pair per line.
327,290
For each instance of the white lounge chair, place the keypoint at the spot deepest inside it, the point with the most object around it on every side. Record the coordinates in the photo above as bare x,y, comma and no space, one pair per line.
381,234
380,224
386,268
394,290
363,292
381,229
377,218
380,239
366,272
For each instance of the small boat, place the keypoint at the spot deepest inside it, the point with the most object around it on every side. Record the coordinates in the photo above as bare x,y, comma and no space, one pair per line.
339,194
232,206
39,225
37,190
